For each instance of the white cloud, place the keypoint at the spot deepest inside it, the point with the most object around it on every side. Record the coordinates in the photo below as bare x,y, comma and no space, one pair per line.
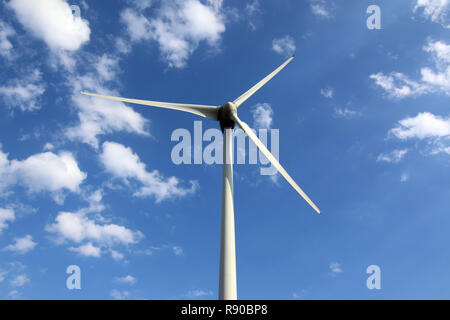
327,92
284,46
42,172
94,234
424,125
22,245
178,27
123,163
116,255
320,8
335,268
24,93
130,280
435,10
99,116
20,280
48,171
6,215
107,67
441,55
77,227
53,22
6,46
177,250
395,156
262,116
119,295
87,250
440,50
440,80
398,85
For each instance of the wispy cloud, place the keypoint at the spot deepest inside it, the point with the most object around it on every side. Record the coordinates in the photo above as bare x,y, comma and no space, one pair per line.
327,92
6,215
199,293
20,280
345,113
14,294
321,8
335,268
177,250
24,93
404,177
99,116
6,47
262,116
129,280
435,10
116,255
253,10
253,7
284,46
399,86
299,294
119,295
394,157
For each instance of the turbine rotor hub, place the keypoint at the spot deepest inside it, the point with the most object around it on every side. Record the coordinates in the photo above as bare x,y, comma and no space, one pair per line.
225,115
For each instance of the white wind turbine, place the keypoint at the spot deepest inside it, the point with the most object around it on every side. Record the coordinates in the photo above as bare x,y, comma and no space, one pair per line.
227,116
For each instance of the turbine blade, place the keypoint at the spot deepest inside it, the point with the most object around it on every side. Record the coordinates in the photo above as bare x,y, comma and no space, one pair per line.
273,160
209,112
258,86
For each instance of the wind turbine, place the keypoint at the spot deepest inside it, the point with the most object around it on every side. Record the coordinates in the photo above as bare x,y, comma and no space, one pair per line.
227,116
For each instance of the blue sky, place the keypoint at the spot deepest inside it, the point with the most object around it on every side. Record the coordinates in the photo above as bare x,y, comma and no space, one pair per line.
364,130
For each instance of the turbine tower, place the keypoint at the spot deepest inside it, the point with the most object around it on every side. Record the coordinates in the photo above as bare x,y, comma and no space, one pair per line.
228,118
